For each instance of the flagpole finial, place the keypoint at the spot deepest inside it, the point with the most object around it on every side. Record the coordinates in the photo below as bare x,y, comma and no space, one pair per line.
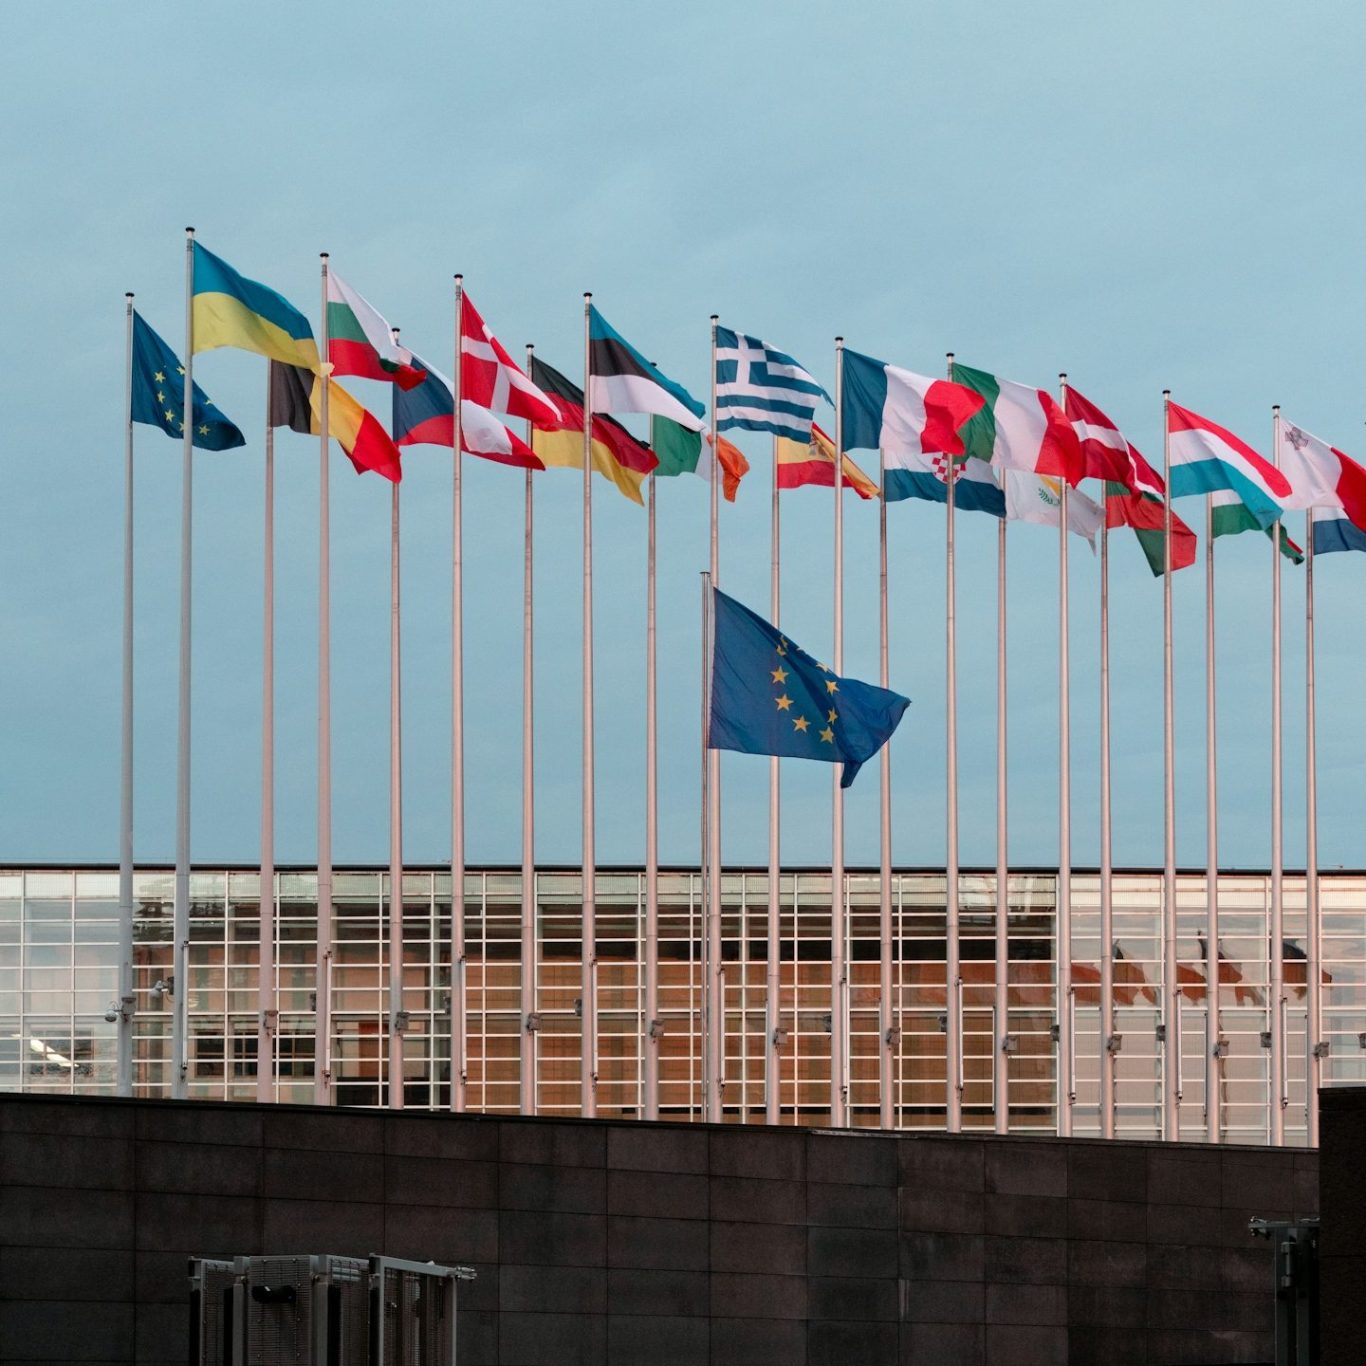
1062,375
458,277
716,317
839,341
190,231
323,255
127,293
587,294
1275,407
948,355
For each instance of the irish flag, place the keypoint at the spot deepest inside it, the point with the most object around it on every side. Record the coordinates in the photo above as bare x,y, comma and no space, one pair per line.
361,343
813,462
1020,428
1208,458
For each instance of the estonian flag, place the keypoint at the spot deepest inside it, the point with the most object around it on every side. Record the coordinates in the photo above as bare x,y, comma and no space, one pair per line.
621,380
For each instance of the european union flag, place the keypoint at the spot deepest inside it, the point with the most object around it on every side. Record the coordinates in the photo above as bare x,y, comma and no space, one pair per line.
159,392
768,696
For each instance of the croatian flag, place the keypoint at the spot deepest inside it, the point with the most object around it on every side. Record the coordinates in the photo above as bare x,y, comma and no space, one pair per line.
1206,457
904,415
762,389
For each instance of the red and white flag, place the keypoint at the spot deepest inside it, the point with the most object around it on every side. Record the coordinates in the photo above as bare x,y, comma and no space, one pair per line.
1320,475
1108,454
490,378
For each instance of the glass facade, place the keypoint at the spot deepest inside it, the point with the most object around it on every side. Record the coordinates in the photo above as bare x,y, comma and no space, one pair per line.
58,947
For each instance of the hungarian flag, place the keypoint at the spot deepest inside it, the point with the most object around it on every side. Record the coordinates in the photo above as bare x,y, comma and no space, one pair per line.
361,343
490,378
1020,428
813,462
425,416
1229,516
680,451
1134,491
296,402
1206,458
617,455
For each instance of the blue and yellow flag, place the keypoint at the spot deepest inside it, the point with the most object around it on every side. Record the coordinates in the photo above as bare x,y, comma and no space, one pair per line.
768,696
159,392
230,310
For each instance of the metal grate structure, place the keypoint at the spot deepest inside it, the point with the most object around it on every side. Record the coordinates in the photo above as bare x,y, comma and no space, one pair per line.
323,1311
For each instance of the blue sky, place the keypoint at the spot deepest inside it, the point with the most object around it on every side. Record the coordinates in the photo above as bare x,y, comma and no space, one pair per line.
1144,196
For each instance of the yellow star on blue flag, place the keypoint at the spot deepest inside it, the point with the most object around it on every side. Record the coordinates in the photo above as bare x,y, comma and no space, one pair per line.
763,705
158,403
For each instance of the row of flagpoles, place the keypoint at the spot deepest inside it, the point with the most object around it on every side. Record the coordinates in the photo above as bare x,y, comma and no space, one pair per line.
616,378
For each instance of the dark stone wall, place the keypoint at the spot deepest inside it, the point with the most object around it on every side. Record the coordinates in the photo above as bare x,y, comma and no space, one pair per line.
1342,1230
674,1245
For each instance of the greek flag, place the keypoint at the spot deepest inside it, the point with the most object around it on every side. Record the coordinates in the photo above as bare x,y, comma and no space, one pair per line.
762,390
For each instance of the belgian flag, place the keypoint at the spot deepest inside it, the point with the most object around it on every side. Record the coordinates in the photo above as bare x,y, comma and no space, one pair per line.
617,455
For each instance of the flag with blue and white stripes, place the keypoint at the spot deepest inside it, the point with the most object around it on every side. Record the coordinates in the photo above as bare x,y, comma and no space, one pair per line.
763,390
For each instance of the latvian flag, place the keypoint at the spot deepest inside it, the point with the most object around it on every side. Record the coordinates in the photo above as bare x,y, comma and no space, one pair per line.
1134,492
425,416
1332,484
1206,458
762,389
621,380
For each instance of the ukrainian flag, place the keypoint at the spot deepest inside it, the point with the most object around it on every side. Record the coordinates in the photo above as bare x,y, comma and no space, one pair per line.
230,310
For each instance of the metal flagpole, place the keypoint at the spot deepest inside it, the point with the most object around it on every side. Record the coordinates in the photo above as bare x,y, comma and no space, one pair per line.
1171,1015
588,1070
705,863
1279,1080
653,1027
887,1024
1067,1090
527,1089
1108,1040
839,923
953,1056
1213,1105
459,1076
773,964
1314,966
180,930
1001,996
398,1017
268,1013
125,998
322,1088
715,1012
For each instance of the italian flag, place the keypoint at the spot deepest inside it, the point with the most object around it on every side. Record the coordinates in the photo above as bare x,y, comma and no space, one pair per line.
1020,428
361,343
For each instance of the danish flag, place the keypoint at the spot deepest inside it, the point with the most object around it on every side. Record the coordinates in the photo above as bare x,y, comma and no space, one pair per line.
490,378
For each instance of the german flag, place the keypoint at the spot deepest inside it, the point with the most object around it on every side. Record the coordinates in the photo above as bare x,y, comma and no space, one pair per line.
813,462
617,455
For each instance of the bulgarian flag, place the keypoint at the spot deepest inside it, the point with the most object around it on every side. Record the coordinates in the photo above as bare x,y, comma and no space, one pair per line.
296,402
1134,491
680,452
813,462
361,343
1020,428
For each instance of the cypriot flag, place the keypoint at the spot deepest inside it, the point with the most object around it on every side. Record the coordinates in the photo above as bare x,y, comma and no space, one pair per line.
1038,498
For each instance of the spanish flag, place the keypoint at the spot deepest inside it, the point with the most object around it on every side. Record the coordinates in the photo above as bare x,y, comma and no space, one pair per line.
230,310
800,462
617,455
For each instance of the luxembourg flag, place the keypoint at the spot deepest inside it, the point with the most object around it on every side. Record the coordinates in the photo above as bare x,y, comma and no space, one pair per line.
904,415
1206,457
